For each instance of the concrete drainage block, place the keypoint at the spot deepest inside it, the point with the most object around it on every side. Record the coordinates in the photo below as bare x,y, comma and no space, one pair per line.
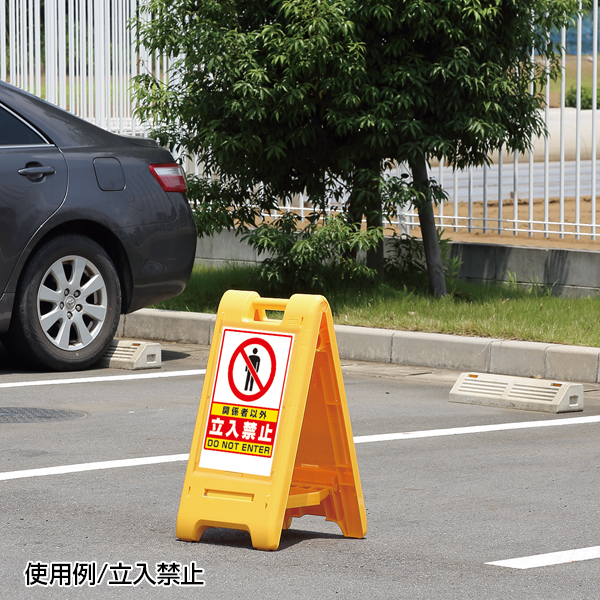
517,392
125,354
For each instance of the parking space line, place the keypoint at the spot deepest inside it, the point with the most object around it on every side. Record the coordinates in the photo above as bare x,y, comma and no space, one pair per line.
546,560
107,378
411,435
364,439
95,466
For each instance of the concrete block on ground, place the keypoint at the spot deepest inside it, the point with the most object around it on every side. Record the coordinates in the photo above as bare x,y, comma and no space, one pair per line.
572,363
517,392
170,325
364,343
440,351
522,359
131,355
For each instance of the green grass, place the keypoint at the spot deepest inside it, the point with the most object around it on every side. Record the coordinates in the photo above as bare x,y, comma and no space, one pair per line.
489,311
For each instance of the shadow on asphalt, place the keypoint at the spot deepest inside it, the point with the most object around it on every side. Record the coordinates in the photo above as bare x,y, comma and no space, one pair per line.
234,538
11,365
168,355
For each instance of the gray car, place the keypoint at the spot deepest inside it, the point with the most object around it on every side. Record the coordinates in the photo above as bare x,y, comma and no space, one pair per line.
92,225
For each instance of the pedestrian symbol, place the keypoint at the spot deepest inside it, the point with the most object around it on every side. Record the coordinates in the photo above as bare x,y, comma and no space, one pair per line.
244,366
255,360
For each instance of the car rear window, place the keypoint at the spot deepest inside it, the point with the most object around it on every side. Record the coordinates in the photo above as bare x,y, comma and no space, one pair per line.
13,132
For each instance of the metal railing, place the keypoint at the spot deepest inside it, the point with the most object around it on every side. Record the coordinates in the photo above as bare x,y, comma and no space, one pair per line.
77,54
551,191
82,54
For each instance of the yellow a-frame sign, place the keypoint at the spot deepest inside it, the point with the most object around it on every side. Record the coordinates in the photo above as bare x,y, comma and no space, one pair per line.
272,439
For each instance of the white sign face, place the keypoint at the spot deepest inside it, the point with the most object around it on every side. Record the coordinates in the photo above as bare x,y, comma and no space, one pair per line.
249,385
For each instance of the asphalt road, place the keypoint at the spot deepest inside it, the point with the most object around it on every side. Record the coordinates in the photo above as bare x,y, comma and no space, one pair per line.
439,507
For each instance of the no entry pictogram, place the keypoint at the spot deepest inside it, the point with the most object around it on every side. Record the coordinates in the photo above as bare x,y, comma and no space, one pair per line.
245,401
251,361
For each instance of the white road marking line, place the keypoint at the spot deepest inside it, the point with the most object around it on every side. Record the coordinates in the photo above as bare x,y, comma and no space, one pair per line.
95,466
545,560
364,439
107,378
411,435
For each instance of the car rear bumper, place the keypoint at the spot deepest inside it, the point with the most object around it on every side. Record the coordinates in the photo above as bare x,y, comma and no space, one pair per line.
161,259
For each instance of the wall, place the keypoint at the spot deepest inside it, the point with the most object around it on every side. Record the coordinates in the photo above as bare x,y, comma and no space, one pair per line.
570,273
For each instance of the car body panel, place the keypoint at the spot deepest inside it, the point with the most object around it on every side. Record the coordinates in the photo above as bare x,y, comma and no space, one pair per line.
149,234
24,204
6,305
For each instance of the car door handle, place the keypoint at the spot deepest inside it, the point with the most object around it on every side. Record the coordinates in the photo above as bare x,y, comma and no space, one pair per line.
36,173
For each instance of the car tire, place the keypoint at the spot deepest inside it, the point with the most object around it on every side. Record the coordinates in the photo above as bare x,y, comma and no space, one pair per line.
67,305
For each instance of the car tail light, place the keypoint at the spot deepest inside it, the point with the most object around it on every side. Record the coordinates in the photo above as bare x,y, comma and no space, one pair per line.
170,176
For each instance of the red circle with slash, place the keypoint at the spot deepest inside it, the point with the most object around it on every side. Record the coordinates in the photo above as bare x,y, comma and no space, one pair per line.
262,388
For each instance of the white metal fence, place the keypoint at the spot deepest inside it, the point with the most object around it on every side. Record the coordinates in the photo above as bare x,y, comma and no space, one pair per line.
81,55
78,54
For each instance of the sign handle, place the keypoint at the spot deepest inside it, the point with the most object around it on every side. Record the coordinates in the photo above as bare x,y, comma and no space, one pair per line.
270,303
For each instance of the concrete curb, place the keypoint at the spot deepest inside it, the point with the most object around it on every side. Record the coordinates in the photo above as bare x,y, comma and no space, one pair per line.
168,326
433,350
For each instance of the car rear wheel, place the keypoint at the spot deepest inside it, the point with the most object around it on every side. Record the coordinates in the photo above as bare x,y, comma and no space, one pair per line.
67,305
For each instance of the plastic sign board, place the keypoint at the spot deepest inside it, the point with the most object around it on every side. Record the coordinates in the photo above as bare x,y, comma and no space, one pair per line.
272,440
246,401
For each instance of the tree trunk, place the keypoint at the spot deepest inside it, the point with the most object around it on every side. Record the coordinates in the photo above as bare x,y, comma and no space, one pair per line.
375,257
433,255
